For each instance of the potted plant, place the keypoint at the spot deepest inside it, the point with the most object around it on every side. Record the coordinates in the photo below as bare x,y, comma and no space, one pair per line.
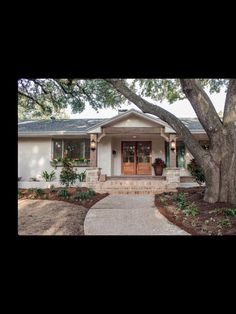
158,166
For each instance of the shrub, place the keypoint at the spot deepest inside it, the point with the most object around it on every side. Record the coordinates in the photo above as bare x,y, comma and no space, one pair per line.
229,211
191,210
163,200
81,176
36,191
224,223
40,192
196,171
52,188
68,175
181,200
48,176
91,192
225,211
82,195
63,193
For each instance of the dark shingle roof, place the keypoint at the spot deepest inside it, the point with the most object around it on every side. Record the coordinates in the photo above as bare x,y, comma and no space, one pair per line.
80,125
73,125
192,124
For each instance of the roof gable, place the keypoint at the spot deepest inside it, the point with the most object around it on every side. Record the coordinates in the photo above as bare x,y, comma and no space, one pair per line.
131,118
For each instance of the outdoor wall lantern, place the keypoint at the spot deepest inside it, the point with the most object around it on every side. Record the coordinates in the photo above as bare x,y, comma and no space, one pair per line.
93,145
172,145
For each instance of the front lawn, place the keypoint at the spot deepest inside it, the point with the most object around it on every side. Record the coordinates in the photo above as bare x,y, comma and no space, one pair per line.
187,210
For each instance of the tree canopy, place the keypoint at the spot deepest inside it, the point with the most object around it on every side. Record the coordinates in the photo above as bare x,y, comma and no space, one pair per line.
40,98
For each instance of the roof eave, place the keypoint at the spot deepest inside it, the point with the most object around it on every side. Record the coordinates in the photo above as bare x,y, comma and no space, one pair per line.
49,134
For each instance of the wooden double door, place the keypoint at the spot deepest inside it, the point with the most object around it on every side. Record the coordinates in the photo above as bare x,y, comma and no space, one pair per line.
136,157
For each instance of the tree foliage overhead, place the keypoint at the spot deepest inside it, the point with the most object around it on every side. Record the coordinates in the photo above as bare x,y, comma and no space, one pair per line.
170,89
46,97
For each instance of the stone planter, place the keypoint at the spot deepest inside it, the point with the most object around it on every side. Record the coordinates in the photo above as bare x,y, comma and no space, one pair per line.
172,177
80,164
56,164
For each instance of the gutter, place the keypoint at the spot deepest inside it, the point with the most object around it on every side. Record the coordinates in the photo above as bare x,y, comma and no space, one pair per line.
50,134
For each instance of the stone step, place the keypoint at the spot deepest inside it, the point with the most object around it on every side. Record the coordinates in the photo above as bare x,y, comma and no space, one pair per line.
153,192
131,187
109,183
103,187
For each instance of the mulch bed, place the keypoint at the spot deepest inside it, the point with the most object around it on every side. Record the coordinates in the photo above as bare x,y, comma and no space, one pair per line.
210,220
48,195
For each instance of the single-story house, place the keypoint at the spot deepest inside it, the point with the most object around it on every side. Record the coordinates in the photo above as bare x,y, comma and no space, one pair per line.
124,145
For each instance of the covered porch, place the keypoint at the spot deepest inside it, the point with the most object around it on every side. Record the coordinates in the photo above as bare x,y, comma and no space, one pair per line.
130,143
132,155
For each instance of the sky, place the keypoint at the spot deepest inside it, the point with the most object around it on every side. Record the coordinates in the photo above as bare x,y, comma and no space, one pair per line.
180,108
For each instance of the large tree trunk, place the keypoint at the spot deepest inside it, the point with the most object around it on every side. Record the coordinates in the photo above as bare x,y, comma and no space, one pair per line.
212,176
227,170
221,182
220,172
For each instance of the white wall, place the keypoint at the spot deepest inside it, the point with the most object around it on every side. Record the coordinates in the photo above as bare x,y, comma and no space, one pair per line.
34,157
104,155
116,159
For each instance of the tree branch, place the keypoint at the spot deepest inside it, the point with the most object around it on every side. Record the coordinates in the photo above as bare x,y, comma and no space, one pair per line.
86,94
202,105
229,117
30,97
41,85
194,147
61,86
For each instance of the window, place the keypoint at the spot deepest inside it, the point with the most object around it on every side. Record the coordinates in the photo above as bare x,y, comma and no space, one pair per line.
180,154
57,149
75,149
167,154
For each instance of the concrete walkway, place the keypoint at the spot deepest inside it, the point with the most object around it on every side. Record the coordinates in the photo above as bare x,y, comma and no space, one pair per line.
128,215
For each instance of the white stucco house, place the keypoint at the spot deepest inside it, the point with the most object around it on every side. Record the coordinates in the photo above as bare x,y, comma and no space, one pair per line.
125,145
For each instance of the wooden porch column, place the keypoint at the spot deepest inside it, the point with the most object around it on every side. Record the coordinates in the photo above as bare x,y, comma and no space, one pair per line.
93,153
172,152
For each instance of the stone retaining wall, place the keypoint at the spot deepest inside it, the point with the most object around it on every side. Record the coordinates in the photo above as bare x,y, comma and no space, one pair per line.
43,184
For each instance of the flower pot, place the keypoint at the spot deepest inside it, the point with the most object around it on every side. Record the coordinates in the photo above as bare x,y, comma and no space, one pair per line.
158,170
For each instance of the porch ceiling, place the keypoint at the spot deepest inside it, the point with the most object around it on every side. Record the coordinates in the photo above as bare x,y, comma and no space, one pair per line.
134,136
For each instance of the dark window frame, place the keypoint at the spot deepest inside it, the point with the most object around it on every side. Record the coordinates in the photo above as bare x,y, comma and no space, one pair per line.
86,151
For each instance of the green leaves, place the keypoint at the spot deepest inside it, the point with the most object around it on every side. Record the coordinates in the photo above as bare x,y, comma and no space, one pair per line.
44,97
49,176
